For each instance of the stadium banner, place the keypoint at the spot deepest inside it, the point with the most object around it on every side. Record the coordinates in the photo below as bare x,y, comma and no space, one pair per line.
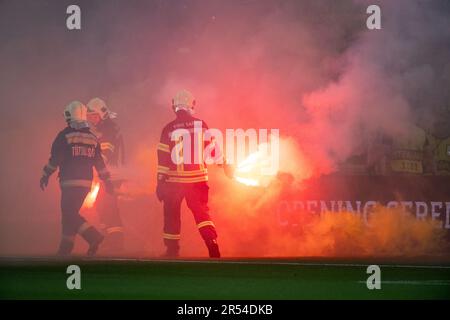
426,197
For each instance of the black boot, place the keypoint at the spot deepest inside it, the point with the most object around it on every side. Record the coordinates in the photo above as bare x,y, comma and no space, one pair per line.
94,238
65,248
172,250
171,254
213,248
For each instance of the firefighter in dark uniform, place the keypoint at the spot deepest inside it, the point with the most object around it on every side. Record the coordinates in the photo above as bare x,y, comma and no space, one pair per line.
180,179
75,151
111,143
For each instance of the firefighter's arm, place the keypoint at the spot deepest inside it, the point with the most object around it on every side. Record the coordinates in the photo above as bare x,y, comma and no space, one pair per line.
113,145
56,156
102,170
228,169
214,150
107,148
164,160
121,149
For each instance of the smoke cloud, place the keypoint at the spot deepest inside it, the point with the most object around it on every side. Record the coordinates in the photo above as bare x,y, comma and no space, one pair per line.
310,68
390,233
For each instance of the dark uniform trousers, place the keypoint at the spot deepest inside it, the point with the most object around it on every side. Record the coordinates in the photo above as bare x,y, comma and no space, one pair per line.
107,207
73,223
72,199
196,195
109,216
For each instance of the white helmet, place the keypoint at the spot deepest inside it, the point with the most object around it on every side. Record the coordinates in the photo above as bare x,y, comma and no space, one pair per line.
75,112
97,105
183,100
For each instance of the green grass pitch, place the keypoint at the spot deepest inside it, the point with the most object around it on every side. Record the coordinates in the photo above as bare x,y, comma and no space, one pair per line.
225,279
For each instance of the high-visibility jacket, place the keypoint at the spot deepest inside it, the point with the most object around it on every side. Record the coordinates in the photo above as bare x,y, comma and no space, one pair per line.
181,150
76,152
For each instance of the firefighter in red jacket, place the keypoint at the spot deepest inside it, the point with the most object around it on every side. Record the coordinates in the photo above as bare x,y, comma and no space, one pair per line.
111,143
180,179
75,151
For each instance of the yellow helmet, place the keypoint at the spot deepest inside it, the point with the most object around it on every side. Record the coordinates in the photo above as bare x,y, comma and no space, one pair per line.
75,111
183,100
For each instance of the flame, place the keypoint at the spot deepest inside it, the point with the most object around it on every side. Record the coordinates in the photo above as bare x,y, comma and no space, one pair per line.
247,181
92,195
249,171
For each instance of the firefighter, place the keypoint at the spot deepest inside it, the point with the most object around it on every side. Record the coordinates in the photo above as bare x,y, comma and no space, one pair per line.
111,143
181,179
75,151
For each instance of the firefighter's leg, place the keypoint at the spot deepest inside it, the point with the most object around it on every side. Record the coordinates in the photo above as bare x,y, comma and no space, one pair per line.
197,201
109,217
92,236
172,222
66,245
71,201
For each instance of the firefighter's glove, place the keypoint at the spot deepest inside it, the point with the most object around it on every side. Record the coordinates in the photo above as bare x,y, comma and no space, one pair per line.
229,170
43,183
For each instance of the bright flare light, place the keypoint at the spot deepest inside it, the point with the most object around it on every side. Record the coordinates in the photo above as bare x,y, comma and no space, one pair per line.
92,195
249,171
247,181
